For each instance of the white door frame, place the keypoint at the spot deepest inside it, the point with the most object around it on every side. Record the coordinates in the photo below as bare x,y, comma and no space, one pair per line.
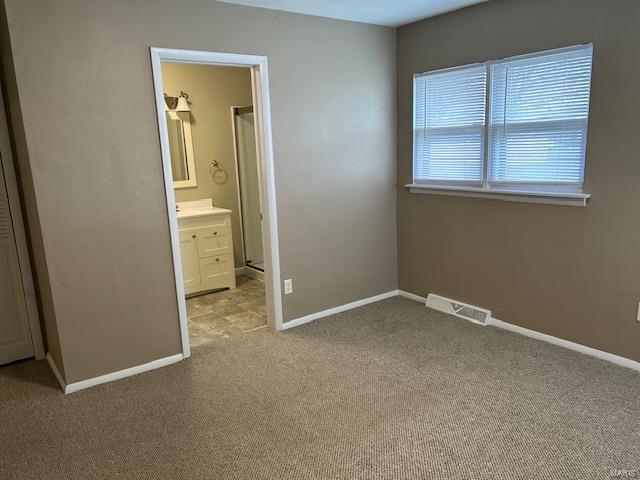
262,112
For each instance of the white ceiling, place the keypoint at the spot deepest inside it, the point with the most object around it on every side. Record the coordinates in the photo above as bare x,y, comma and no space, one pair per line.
391,13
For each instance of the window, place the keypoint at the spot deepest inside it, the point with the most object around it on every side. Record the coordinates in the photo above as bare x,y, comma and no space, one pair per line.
515,127
449,125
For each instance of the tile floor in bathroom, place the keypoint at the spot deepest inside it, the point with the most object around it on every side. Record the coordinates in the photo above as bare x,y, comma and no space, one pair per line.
227,312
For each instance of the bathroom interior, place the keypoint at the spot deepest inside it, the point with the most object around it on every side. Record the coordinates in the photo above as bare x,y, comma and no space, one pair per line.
216,178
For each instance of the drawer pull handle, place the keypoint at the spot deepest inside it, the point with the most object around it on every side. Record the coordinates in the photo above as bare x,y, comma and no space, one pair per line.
217,259
193,236
215,233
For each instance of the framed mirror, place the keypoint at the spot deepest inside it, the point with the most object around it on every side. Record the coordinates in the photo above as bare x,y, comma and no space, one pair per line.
183,162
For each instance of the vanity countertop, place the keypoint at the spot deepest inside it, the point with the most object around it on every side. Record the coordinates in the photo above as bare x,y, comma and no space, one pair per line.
199,208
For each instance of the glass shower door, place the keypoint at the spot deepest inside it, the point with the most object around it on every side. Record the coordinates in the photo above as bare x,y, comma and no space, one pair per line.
249,187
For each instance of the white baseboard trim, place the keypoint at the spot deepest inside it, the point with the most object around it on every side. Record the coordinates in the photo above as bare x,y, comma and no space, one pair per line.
342,308
593,352
412,296
162,362
56,372
127,372
253,273
609,357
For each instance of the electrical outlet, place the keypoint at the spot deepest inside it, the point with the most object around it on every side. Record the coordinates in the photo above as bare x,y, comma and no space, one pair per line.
288,286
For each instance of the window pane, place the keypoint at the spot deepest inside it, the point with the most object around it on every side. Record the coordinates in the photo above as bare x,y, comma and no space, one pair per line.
448,126
538,117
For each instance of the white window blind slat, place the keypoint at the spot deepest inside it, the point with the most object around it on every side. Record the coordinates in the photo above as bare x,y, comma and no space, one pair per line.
538,112
448,125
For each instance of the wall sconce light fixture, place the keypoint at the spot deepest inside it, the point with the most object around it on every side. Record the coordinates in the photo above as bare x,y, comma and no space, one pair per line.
179,104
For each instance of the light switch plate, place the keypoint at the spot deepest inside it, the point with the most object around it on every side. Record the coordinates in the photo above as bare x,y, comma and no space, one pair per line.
638,315
288,286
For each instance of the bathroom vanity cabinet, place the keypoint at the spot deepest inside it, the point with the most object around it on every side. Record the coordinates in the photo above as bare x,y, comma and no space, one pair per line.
206,248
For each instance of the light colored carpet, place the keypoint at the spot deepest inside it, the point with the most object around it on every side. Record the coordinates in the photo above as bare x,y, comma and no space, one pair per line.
388,391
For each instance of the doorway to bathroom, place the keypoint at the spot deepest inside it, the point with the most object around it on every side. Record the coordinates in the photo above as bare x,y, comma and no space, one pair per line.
214,124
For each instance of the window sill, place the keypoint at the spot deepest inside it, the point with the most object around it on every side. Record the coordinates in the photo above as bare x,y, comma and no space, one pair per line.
574,199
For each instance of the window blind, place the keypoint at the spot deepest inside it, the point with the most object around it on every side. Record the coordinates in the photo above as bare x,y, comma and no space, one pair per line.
538,112
448,125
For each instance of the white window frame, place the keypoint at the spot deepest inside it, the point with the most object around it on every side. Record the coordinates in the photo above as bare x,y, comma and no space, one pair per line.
443,182
554,193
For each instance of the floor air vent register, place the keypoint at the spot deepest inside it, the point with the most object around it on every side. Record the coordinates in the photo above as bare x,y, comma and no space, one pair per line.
472,313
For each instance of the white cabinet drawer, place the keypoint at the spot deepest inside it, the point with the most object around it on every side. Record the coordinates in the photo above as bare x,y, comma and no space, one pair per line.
214,240
208,221
217,272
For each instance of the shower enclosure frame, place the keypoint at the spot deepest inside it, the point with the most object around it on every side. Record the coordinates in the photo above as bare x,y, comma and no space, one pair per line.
253,272
258,66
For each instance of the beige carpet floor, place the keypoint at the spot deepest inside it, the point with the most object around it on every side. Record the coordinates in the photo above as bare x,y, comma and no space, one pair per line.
388,391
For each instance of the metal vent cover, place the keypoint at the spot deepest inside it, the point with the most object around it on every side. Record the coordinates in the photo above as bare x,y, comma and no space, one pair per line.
472,313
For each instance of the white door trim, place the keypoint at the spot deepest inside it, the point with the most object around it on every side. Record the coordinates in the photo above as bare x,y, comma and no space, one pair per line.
262,112
20,235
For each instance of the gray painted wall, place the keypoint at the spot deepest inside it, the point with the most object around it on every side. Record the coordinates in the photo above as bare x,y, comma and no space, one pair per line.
565,271
84,80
